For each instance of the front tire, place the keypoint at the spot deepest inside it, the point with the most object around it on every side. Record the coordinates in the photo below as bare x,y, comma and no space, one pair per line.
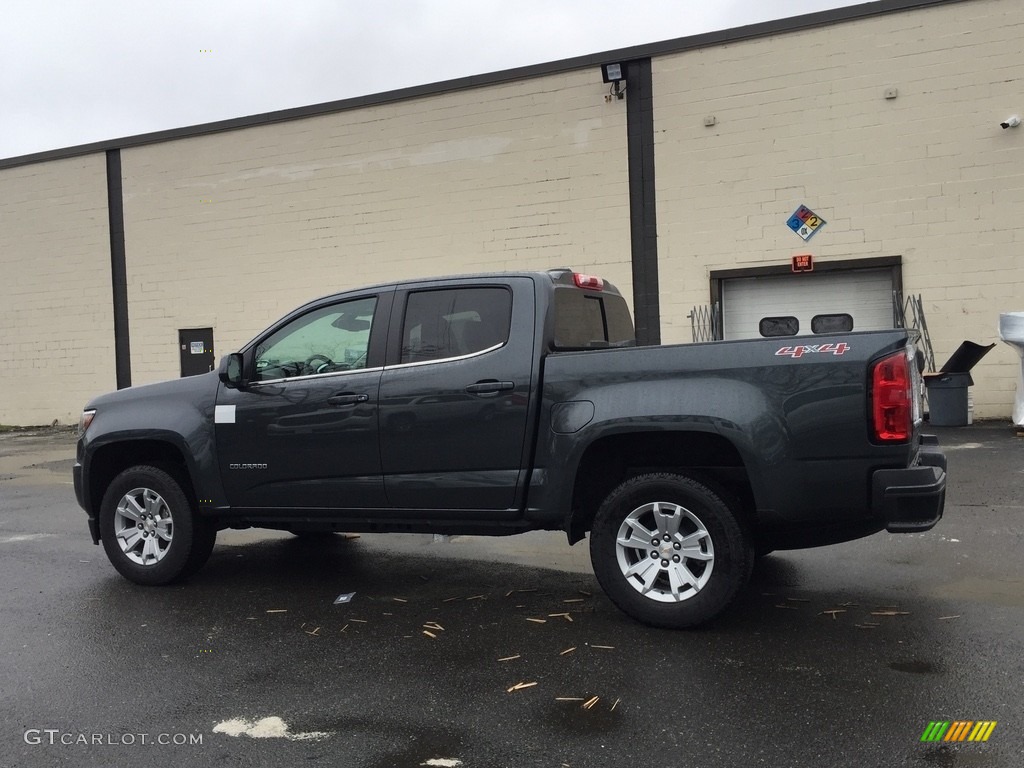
149,528
669,551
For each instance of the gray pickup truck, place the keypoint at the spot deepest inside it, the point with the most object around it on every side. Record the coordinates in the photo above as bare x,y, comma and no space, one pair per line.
498,404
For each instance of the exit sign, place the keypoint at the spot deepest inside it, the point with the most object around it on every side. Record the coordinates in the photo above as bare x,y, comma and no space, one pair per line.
804,263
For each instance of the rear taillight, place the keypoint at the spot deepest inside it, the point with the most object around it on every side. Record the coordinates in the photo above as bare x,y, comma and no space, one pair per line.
892,399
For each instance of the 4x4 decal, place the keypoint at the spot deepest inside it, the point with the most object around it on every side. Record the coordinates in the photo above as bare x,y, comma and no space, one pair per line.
836,349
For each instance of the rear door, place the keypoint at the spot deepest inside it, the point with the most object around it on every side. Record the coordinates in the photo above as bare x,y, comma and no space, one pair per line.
455,395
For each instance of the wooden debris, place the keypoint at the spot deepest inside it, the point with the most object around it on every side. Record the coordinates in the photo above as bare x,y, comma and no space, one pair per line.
450,599
569,698
314,633
477,597
344,628
360,621
429,634
791,607
567,650
798,599
399,599
584,593
850,605
538,621
575,600
514,591
434,625
615,705
519,687
278,610
604,647
510,658
943,618
890,613
565,616
589,703
834,612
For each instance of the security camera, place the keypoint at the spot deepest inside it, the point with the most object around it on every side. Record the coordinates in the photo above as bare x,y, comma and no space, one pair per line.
1010,122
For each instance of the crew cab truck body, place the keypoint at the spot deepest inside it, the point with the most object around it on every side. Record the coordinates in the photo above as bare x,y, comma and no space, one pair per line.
498,404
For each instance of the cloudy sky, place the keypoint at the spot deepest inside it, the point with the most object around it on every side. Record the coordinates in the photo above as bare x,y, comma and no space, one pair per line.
77,71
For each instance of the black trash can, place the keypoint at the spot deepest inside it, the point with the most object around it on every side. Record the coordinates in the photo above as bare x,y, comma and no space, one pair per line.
947,398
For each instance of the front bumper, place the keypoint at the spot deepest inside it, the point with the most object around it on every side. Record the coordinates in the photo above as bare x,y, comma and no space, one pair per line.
81,494
912,499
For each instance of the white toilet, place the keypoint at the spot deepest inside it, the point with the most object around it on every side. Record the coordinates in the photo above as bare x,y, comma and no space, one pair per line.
1011,330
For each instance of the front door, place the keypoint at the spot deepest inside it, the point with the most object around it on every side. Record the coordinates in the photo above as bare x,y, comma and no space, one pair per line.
303,433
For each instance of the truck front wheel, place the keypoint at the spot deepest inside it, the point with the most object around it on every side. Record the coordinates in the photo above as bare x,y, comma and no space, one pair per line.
669,551
149,529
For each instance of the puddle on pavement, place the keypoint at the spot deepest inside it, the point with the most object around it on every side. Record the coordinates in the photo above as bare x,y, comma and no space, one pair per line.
1007,592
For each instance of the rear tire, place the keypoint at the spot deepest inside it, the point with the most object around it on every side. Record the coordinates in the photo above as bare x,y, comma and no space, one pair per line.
669,551
149,528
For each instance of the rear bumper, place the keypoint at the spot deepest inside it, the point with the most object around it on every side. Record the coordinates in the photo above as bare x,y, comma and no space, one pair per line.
912,499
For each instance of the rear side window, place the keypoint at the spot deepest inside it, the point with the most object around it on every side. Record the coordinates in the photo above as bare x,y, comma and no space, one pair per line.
587,320
454,322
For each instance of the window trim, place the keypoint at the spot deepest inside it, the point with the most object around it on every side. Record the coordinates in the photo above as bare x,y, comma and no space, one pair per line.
466,356
308,377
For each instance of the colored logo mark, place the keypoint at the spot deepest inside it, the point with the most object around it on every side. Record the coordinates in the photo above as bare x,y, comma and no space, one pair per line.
805,222
958,730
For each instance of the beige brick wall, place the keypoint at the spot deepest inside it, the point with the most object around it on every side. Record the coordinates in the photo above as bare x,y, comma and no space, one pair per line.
56,308
231,230
802,119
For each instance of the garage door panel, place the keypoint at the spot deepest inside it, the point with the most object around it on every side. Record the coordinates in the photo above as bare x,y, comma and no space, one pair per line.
865,295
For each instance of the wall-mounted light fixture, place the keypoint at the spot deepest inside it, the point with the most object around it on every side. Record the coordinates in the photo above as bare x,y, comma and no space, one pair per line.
616,75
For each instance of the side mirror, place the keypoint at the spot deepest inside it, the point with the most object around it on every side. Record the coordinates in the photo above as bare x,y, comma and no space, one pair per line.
231,371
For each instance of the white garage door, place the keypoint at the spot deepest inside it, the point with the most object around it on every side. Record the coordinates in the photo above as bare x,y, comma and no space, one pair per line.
864,295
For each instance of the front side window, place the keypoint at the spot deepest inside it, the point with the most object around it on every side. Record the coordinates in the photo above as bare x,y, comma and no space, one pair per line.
334,338
454,322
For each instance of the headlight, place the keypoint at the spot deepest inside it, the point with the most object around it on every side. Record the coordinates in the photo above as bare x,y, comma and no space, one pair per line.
85,420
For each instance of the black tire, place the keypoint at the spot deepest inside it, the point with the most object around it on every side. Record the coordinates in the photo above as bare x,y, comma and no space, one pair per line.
172,543
673,590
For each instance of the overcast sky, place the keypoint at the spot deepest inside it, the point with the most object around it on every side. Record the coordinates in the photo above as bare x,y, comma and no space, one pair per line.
78,71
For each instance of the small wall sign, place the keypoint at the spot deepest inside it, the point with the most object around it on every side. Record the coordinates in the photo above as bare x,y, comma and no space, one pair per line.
805,222
803,263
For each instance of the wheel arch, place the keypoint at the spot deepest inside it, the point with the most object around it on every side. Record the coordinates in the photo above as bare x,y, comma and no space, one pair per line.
612,459
109,460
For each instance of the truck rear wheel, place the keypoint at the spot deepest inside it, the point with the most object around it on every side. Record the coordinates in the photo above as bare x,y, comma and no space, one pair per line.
149,529
669,551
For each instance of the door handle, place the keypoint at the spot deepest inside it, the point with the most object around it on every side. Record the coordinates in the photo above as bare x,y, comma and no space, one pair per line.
490,387
347,398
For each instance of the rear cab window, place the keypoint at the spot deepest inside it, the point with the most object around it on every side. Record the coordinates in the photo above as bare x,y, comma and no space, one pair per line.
591,320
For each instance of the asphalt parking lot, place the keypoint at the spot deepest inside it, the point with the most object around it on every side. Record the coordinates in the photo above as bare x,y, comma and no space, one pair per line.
502,653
